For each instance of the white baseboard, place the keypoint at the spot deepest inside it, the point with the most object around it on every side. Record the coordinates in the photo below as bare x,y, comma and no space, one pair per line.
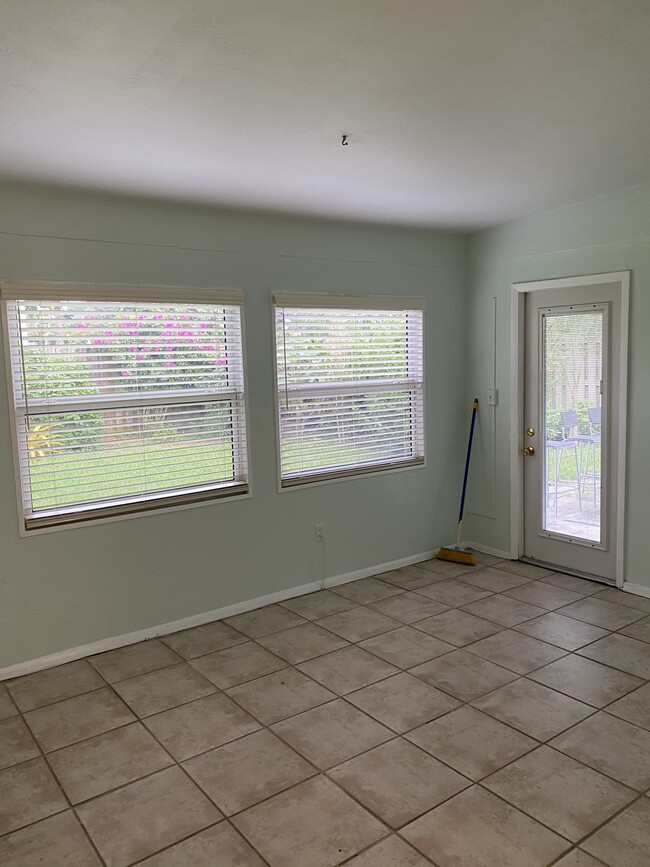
636,589
485,549
377,570
60,657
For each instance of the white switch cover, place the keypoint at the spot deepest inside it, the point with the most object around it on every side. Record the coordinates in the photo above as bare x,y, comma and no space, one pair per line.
493,396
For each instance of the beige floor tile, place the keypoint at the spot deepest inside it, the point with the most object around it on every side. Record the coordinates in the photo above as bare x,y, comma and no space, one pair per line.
561,793
218,846
604,614
471,742
245,772
453,593
200,640
408,607
58,840
144,817
463,675
515,651
302,642
586,680
406,647
348,669
402,702
625,841
410,577
578,858
279,695
391,852
314,824
619,651
447,568
457,627
477,829
639,630
544,595
502,610
620,597
16,743
397,781
313,606
533,709
107,761
201,725
525,569
495,580
54,684
133,660
577,585
238,664
159,690
7,707
332,733
610,745
29,793
562,631
265,621
634,708
359,623
486,559
366,590
76,719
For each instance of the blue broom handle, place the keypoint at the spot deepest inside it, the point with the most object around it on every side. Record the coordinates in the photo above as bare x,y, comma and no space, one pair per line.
469,454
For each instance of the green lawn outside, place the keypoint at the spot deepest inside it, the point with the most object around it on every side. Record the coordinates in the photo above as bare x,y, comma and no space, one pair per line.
326,453
87,476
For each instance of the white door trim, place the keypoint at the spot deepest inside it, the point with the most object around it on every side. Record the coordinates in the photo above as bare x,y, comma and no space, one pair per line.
517,330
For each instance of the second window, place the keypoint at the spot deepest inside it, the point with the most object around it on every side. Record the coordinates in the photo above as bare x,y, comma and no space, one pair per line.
349,385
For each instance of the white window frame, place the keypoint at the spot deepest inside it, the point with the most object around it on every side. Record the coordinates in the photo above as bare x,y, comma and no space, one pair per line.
412,384
124,508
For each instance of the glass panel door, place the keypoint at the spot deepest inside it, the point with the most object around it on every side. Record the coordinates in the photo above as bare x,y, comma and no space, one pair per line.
571,401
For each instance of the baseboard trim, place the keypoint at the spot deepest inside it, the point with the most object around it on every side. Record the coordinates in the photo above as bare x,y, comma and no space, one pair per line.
636,589
336,580
486,549
112,643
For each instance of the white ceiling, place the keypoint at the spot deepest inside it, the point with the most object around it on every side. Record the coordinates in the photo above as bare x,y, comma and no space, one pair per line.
460,113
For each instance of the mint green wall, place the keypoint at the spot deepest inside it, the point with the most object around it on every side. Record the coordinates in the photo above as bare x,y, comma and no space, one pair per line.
69,588
609,233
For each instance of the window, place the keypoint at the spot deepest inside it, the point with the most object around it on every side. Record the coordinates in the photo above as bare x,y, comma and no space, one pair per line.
350,385
124,399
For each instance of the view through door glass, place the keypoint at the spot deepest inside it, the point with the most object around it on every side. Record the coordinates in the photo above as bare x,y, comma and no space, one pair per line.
572,352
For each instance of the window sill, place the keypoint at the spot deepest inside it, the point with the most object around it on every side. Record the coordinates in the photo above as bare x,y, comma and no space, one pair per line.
108,514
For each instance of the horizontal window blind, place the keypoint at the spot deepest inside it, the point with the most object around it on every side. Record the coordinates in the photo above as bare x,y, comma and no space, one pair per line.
124,406
350,388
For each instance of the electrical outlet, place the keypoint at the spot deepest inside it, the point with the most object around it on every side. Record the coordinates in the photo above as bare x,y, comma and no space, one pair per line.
319,532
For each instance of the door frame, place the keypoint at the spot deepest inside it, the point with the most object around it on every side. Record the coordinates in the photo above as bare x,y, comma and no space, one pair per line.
517,372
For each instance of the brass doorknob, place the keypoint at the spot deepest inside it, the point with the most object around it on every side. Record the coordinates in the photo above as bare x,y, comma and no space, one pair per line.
529,451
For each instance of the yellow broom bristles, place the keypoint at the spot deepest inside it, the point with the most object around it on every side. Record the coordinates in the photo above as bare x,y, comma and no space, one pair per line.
456,556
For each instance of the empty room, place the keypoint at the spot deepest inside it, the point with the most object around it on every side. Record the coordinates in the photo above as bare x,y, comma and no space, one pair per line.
324,408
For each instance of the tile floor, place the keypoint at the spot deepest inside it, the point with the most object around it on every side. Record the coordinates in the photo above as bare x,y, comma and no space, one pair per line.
494,716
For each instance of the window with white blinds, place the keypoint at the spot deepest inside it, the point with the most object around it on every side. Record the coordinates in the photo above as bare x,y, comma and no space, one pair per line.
124,400
350,385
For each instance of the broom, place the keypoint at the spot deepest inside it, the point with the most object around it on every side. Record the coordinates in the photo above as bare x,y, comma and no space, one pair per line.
456,554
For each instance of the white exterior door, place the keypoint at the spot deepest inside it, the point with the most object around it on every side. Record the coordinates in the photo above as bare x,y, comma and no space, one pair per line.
573,419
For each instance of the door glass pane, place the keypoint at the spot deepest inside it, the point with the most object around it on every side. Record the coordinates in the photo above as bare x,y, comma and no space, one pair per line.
573,368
